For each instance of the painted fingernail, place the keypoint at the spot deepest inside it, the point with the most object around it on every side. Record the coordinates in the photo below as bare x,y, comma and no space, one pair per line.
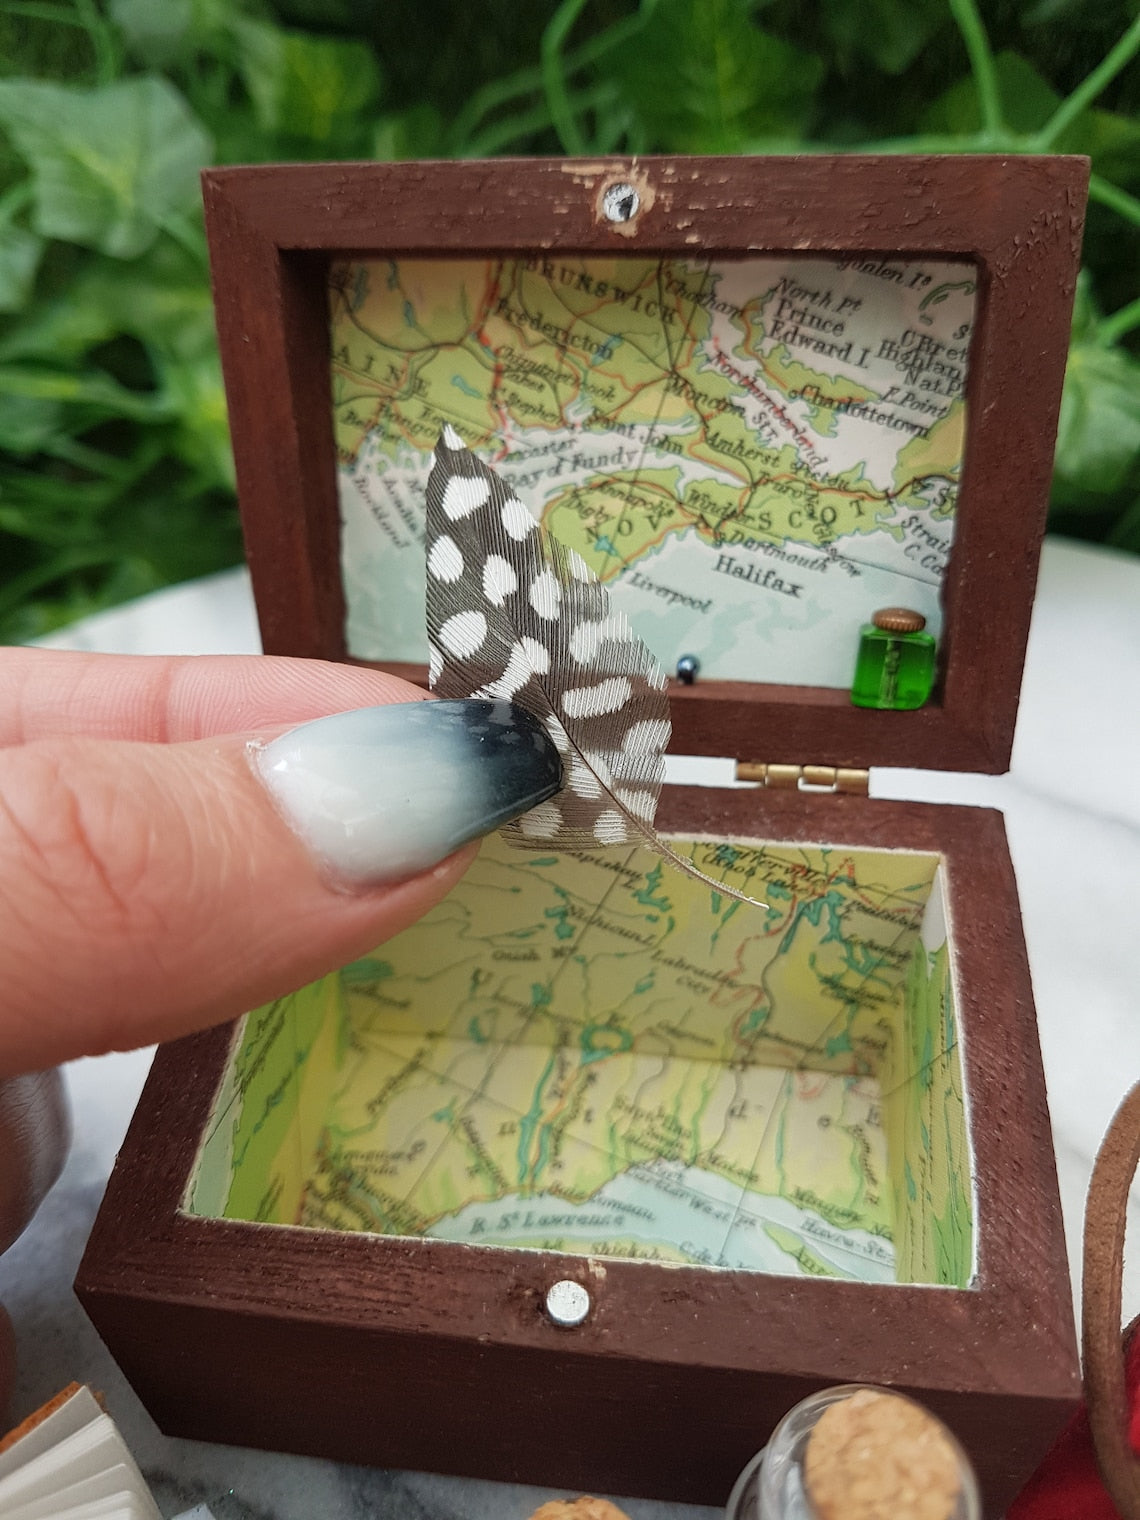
383,793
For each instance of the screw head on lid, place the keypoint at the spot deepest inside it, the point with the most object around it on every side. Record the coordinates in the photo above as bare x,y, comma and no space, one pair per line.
898,620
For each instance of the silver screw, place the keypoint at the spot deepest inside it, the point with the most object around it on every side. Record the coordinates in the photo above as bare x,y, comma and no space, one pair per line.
567,1303
620,203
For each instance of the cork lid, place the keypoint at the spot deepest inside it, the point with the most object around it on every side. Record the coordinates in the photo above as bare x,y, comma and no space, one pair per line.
585,1508
875,1456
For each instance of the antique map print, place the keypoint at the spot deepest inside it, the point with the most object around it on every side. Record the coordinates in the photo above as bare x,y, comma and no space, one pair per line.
752,454
591,1053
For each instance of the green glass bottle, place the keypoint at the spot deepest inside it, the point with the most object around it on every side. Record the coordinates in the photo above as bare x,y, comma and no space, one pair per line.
895,667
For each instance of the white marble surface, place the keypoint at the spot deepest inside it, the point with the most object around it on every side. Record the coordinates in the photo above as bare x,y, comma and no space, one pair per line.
1072,808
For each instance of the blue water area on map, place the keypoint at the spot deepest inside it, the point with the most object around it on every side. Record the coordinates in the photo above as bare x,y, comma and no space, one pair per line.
660,1204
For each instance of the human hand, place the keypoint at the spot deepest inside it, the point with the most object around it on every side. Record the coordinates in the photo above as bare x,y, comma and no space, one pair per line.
149,883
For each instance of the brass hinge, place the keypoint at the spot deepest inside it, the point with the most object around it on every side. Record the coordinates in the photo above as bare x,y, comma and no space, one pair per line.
806,778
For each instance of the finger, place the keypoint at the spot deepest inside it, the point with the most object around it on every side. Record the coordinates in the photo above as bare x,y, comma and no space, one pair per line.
170,699
147,890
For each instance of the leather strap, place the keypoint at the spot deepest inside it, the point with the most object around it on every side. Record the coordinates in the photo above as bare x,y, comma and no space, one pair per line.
34,1136
1105,1390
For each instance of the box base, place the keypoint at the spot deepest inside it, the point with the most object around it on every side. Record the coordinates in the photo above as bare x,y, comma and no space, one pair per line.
436,1355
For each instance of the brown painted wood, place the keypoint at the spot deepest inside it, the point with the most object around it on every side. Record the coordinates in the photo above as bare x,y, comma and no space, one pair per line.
437,1355
273,228
782,724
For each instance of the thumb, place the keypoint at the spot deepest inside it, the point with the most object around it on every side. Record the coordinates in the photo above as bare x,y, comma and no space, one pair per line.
147,890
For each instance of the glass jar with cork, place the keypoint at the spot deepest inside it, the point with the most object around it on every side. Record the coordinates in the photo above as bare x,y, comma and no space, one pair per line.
858,1453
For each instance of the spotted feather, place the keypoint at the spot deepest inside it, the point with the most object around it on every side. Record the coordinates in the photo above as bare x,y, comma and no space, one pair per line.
513,614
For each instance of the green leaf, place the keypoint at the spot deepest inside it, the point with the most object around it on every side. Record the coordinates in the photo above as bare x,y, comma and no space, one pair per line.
1028,100
161,299
327,15
91,388
1111,141
111,167
415,133
64,498
704,79
155,33
195,393
19,258
27,423
1050,10
1126,530
1098,435
891,33
63,329
184,35
1086,313
316,88
179,536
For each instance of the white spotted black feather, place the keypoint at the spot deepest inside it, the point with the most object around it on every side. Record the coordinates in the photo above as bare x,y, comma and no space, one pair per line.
513,614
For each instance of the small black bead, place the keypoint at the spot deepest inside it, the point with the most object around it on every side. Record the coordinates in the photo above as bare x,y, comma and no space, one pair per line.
688,668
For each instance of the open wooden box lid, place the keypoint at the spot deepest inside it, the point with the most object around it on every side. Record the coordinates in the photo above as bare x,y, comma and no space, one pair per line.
278,236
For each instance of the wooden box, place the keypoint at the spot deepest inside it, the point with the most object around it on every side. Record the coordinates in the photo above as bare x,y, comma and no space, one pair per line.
780,1149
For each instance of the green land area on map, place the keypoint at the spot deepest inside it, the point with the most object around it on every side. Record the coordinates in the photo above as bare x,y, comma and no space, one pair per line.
596,1054
767,448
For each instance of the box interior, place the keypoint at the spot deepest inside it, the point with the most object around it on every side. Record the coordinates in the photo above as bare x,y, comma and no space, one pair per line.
595,1053
753,454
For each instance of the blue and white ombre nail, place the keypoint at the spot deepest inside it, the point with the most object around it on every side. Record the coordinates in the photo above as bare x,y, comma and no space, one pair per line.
382,793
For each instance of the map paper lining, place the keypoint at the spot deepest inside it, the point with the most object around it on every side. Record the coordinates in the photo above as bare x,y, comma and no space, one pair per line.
753,455
592,1054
